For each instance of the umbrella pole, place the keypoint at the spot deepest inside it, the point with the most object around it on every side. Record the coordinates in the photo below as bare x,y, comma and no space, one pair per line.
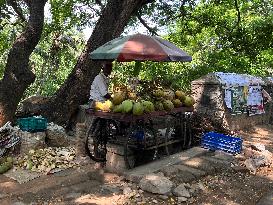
137,68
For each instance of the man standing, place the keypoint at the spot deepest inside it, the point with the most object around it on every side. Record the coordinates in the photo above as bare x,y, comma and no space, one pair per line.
99,87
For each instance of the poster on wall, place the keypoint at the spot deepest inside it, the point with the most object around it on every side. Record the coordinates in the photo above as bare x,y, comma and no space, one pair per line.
243,93
239,100
255,100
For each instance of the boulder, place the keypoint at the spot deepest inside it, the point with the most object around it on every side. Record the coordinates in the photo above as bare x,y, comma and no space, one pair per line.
56,136
156,183
181,191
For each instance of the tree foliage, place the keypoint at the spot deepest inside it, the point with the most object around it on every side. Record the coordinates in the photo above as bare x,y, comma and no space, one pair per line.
228,36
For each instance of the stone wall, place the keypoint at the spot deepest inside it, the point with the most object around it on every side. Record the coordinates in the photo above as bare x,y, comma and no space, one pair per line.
209,96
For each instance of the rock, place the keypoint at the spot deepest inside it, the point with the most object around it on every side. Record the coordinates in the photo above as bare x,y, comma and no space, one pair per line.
164,197
201,186
127,190
19,203
258,147
181,191
240,157
56,136
31,106
184,177
268,157
260,160
241,169
140,191
160,174
73,195
110,188
181,199
170,170
250,164
137,195
156,184
3,195
155,201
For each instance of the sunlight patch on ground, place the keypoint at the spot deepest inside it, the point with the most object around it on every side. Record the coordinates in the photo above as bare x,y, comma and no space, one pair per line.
99,200
8,185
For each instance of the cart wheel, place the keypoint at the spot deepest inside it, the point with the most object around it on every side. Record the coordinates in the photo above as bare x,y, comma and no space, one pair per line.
129,150
112,130
135,152
96,140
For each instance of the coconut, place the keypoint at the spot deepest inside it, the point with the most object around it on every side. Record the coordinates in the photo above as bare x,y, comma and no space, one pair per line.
127,106
158,93
177,103
189,101
180,95
138,109
168,105
169,94
148,106
159,106
117,108
118,98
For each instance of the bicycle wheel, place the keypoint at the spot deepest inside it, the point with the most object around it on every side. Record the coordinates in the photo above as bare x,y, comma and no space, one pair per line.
96,140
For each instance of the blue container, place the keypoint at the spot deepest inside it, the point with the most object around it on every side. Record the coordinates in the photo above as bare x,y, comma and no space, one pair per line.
216,141
32,124
139,135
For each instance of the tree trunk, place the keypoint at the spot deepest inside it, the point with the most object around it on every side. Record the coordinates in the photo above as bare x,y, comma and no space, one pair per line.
75,91
18,75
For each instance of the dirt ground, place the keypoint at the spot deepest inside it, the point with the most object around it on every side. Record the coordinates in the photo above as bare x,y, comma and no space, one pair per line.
241,187
88,185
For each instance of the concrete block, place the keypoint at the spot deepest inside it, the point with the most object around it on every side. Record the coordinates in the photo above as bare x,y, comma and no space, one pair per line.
196,172
200,163
115,163
115,159
155,166
218,164
170,170
184,177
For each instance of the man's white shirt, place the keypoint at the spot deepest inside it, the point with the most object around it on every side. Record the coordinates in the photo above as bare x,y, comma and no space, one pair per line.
99,88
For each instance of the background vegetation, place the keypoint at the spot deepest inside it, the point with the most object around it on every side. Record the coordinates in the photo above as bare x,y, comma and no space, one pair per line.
228,36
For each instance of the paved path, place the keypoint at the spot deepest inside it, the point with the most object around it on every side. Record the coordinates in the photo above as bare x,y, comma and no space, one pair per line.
189,165
266,199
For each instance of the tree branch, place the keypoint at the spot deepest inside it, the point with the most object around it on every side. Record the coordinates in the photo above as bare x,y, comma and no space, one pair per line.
17,9
150,29
27,2
238,13
99,3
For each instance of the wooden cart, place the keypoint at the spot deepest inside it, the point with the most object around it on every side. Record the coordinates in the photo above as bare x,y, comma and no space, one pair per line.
137,133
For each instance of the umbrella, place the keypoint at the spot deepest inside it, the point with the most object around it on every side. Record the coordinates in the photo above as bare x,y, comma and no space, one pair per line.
139,47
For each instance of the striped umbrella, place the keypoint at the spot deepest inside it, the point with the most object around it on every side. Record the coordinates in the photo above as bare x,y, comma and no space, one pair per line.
139,47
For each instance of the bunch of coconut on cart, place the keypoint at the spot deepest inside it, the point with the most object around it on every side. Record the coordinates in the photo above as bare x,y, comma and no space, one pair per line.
149,121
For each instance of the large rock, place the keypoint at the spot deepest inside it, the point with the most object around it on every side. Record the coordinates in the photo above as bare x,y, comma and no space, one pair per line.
156,183
181,191
31,106
56,136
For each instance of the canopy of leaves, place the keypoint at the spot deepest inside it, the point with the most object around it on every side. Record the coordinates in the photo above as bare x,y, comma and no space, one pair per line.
228,36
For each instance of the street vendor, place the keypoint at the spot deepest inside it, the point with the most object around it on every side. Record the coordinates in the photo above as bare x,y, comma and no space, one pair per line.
99,87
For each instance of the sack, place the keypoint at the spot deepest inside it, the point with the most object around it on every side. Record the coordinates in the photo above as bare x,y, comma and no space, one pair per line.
31,141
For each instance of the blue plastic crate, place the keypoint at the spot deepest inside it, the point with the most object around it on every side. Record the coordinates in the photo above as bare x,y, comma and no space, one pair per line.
32,124
227,143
